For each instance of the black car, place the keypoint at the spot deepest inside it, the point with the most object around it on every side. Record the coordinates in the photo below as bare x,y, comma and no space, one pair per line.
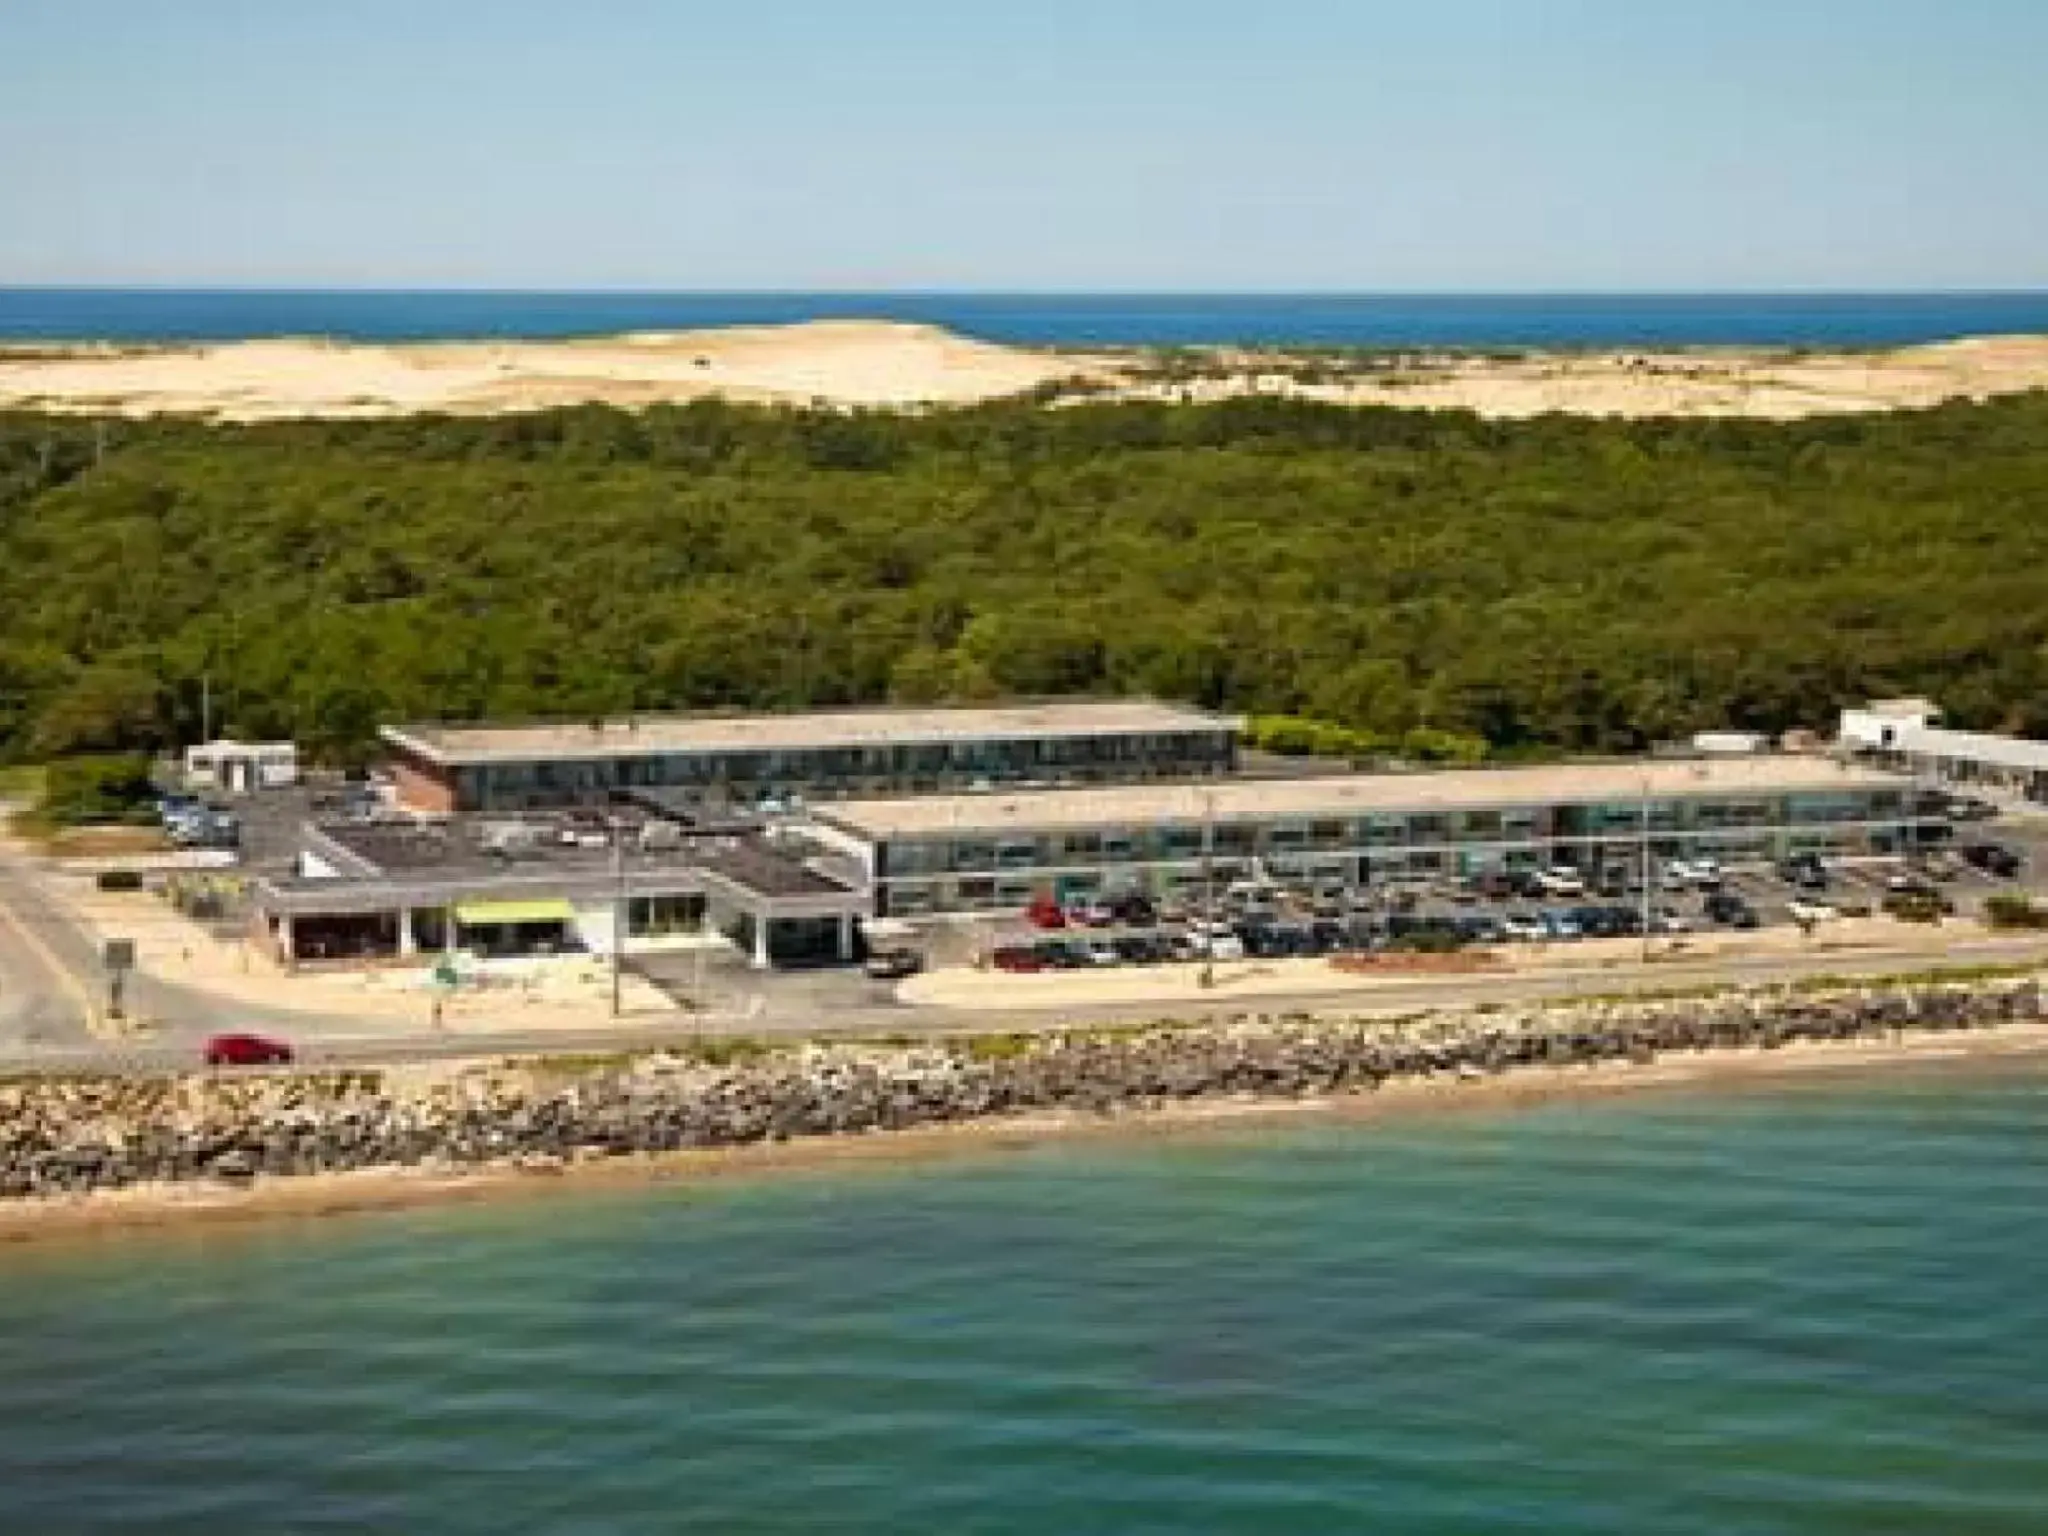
893,964
1729,910
1992,858
1805,871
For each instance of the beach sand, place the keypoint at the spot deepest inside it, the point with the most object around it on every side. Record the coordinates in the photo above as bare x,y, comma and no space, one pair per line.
157,1206
887,363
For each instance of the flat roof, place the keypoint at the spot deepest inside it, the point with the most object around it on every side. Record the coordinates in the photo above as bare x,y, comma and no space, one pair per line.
635,735
1348,795
459,851
1973,747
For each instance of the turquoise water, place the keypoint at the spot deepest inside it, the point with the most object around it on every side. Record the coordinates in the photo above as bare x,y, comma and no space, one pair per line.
1056,319
1812,1310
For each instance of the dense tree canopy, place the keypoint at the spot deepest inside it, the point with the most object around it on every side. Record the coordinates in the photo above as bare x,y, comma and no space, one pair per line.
1553,584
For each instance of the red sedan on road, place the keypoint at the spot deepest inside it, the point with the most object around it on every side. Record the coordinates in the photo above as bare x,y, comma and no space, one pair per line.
246,1050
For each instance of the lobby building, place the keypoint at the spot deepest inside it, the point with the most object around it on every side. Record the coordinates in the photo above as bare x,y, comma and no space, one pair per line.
1000,851
442,769
546,886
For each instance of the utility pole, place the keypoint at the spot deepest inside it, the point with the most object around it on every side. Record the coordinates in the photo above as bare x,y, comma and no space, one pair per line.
618,916
1209,924
1643,803
205,707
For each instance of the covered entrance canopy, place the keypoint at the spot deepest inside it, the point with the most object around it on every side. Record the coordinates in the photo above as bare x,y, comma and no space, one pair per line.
514,914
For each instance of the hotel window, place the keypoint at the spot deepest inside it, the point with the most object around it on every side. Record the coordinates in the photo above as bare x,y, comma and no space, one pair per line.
1329,834
1236,837
1429,829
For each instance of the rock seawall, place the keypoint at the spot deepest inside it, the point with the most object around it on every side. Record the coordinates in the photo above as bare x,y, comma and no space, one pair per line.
62,1137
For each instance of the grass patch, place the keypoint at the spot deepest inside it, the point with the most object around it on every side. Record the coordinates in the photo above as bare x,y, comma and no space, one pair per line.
26,782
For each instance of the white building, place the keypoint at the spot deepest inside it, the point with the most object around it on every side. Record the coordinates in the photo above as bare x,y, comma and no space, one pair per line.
1902,734
241,766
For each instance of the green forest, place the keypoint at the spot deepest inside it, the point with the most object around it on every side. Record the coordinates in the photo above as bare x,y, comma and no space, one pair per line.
1428,581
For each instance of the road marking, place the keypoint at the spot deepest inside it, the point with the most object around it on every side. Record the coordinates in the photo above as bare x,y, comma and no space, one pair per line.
58,968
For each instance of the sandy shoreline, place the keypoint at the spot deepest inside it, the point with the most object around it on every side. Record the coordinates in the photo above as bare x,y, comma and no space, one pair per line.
881,363
126,1212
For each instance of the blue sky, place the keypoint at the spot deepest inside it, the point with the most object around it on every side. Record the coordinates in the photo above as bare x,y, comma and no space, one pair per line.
1026,144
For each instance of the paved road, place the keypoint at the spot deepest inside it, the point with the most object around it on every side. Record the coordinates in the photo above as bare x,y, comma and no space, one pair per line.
54,993
160,1054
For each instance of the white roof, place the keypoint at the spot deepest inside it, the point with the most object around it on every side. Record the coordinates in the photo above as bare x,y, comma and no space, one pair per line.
1973,747
826,729
1351,795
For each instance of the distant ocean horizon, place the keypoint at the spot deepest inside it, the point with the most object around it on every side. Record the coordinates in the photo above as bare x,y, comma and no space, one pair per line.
1465,320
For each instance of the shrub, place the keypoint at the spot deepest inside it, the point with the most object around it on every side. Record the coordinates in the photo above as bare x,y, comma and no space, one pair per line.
2013,911
83,791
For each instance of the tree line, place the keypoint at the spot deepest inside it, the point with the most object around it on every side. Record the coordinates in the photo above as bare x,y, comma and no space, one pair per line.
1381,576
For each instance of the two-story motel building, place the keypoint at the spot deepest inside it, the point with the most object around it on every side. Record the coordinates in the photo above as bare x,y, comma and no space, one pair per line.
497,768
998,851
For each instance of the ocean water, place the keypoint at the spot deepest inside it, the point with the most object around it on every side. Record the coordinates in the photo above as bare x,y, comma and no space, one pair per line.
1352,320
1814,1309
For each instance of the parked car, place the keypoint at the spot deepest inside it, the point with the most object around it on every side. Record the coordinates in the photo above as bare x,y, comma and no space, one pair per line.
1560,881
893,964
1695,874
1992,858
1133,911
1969,808
1804,909
1562,925
1099,914
1805,871
1017,960
1101,952
1045,913
241,1049
1730,910
1669,920
1215,946
1522,926
1494,885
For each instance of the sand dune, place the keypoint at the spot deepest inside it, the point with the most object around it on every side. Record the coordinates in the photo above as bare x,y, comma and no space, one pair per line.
883,363
842,362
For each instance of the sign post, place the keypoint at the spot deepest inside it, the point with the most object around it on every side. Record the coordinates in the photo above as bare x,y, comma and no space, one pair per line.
118,957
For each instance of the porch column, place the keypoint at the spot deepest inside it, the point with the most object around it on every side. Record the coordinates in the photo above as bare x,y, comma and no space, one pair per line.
846,936
761,961
408,946
287,949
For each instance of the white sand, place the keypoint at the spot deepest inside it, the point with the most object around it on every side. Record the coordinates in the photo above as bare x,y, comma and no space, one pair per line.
884,363
843,362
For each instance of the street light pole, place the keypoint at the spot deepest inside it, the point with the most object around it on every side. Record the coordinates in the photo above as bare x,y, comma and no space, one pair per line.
618,916
1643,819
1208,888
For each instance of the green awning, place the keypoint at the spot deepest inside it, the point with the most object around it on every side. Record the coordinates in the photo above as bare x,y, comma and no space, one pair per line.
507,914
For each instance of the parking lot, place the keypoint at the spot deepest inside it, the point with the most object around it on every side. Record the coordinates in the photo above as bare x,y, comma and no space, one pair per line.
1280,920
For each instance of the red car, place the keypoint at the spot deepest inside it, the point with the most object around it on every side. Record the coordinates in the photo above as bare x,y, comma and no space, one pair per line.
1017,961
1045,913
244,1050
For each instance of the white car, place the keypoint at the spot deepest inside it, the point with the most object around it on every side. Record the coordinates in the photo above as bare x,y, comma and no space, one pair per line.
1216,946
1102,952
1518,925
1559,881
1670,920
1804,911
